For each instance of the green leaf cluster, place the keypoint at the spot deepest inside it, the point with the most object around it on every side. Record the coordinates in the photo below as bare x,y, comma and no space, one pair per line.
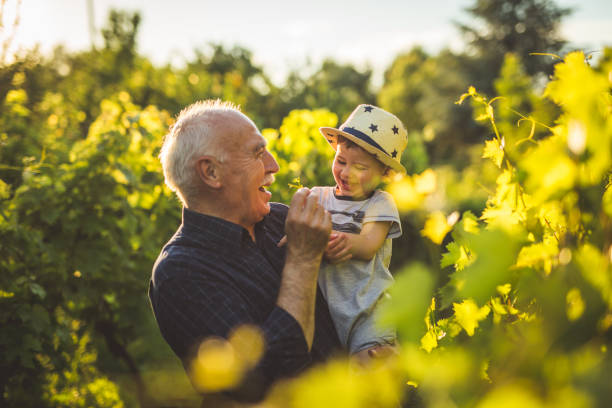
524,315
301,151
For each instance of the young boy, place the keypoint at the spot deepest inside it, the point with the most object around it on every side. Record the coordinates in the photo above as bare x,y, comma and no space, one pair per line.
354,276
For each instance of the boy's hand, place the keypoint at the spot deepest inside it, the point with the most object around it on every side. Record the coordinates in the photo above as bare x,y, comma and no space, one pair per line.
338,248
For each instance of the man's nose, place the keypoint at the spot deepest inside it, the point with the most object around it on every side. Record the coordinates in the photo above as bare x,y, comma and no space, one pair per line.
271,165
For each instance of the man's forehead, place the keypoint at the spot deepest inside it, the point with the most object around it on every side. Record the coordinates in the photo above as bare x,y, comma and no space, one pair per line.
237,123
257,141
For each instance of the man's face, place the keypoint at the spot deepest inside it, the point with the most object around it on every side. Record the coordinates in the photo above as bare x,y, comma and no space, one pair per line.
248,168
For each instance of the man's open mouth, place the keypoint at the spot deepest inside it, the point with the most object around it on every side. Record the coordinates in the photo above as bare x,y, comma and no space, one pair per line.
267,183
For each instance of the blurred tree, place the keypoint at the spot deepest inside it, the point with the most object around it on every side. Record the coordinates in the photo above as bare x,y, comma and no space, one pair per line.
336,87
120,37
518,26
224,61
403,87
234,76
419,88
8,27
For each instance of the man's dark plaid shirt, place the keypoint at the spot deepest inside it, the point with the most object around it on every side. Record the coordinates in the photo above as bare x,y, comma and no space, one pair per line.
211,277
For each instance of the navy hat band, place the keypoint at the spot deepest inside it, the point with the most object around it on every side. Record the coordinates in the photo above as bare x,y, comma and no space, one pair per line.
364,137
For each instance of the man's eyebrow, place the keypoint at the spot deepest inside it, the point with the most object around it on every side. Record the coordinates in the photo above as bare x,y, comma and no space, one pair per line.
260,146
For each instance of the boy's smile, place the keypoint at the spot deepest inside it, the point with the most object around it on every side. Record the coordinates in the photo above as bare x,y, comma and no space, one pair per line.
357,173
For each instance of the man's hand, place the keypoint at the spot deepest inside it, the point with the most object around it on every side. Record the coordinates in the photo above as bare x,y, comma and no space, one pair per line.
338,248
307,226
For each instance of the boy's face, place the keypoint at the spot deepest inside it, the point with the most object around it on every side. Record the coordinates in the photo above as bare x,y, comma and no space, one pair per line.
357,173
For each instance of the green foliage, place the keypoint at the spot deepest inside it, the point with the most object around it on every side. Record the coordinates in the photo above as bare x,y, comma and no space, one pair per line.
410,297
544,218
525,317
518,311
80,385
302,153
80,227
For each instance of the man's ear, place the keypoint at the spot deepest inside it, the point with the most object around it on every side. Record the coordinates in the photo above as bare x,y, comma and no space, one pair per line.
209,171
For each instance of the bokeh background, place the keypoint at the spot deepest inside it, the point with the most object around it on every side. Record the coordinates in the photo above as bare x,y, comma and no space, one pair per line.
504,209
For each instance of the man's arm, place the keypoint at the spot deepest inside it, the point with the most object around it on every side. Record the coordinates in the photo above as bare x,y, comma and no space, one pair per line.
189,310
362,246
195,306
308,227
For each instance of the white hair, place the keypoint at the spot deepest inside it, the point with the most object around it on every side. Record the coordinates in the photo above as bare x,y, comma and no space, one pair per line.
192,136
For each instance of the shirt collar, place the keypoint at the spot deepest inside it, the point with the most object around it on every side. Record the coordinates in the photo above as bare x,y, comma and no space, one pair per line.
213,229
347,198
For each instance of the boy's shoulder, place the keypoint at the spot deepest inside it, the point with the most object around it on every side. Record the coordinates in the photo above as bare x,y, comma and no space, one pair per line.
382,195
324,192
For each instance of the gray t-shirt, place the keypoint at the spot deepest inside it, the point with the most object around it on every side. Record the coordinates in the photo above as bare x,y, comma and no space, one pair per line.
354,288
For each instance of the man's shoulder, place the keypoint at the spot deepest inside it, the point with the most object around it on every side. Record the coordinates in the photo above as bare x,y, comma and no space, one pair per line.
181,257
172,258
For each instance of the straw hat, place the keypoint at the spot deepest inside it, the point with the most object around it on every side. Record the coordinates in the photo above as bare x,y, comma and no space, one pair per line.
375,130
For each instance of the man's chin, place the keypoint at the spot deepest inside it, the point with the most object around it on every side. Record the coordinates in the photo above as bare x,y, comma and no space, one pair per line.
265,210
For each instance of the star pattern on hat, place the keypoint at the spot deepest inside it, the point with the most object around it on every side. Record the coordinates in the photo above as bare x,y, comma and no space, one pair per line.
394,154
373,128
395,129
368,108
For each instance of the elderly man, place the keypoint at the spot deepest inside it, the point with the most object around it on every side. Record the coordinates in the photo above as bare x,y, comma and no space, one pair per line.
224,267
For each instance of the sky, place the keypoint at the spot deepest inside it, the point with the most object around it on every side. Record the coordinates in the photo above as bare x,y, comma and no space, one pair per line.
282,34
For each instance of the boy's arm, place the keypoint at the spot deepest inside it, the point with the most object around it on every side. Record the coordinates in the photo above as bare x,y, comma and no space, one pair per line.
361,246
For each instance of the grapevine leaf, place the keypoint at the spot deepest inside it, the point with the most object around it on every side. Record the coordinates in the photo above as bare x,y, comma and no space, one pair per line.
480,279
468,314
452,256
429,341
436,227
493,151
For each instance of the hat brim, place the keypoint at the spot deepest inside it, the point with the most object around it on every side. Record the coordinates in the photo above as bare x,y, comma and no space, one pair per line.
331,135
